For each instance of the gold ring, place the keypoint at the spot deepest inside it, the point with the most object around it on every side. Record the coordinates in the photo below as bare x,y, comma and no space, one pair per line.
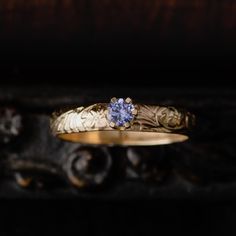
121,122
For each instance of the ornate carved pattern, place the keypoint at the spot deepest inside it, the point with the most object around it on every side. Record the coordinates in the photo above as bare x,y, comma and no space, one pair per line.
94,117
81,119
171,118
46,166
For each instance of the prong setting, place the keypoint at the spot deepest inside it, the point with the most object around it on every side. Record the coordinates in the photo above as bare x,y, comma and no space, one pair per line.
128,100
135,112
127,124
112,124
121,113
114,99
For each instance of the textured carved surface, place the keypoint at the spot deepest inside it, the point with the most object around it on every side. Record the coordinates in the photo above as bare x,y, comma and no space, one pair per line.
148,118
39,162
81,119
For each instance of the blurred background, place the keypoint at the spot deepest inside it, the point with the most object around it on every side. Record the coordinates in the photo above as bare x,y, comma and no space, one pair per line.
83,40
64,53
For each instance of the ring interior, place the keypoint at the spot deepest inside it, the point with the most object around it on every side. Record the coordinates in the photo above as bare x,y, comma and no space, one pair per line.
124,138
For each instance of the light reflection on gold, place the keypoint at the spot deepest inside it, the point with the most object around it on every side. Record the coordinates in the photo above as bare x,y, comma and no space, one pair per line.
123,137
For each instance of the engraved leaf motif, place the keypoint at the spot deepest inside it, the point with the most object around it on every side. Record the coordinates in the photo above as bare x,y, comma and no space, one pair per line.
147,117
171,118
94,117
80,119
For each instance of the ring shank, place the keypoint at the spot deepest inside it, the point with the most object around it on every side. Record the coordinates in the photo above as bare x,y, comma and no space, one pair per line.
124,138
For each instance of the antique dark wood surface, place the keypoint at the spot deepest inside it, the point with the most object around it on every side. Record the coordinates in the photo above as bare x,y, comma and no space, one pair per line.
35,164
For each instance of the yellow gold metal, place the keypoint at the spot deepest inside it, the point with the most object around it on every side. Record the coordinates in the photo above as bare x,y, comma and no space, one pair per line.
114,99
112,124
152,125
128,100
127,124
124,138
135,112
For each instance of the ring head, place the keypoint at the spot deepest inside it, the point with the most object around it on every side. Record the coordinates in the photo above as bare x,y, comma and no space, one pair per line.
121,113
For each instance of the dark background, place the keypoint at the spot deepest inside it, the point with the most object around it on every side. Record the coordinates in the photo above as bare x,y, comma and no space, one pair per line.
91,43
66,52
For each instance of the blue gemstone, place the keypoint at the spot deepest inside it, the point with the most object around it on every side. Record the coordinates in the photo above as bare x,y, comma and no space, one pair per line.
120,112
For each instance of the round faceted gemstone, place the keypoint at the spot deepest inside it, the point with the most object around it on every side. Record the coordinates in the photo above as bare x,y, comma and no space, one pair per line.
120,112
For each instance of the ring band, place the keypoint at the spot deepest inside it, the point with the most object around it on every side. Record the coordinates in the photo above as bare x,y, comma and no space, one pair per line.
121,122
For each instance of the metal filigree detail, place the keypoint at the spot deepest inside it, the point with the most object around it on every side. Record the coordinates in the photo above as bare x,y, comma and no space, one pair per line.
159,119
148,118
82,119
171,118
